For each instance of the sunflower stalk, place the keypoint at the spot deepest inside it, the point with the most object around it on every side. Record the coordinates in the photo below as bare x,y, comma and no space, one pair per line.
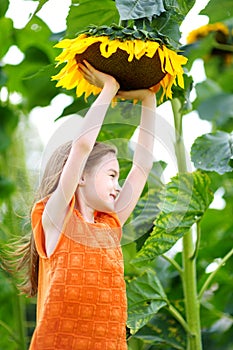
192,304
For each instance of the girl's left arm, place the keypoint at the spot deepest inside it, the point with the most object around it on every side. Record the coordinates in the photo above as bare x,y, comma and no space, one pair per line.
143,155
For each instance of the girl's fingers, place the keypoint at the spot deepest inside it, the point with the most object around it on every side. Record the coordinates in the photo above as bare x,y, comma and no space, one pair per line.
88,65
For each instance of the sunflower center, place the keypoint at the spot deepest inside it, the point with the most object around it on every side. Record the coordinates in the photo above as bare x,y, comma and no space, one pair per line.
137,74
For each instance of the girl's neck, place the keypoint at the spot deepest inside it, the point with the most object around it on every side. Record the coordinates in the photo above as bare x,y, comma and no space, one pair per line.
86,211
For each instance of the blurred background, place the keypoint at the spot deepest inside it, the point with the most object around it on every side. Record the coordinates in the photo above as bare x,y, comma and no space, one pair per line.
32,110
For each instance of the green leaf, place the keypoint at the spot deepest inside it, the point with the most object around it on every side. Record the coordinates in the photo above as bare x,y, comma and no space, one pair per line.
200,49
217,108
40,5
183,202
218,11
3,7
8,123
146,209
180,6
168,25
7,187
36,34
139,8
6,35
85,12
205,90
213,152
146,297
162,331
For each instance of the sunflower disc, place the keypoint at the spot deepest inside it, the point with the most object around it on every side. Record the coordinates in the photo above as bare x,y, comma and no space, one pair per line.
137,74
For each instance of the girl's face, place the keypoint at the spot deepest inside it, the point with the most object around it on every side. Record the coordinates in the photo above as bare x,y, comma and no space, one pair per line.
101,186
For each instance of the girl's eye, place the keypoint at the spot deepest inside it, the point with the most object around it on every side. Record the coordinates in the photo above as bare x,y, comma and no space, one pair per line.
112,175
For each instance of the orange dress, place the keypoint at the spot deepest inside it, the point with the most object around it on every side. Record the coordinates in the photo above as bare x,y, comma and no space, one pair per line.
81,302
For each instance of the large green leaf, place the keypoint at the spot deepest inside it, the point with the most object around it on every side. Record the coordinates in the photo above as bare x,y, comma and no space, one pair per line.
217,108
143,216
180,6
85,12
199,49
213,152
3,7
205,90
218,11
136,9
146,297
183,202
219,70
6,35
32,79
168,24
36,34
162,332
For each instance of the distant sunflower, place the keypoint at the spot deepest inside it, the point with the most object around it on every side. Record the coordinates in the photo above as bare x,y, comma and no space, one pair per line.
223,36
135,63
205,30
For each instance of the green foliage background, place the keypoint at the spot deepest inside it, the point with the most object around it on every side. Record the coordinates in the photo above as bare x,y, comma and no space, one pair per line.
158,317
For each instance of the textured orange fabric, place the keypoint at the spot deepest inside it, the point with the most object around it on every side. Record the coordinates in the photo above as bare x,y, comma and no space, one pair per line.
81,301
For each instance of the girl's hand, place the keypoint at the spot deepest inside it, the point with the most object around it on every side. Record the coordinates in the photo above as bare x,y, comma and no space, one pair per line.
97,78
140,94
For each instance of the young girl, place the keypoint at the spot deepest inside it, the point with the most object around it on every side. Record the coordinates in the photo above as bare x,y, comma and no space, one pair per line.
75,255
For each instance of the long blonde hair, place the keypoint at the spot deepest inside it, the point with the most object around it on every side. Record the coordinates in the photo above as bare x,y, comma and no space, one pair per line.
27,255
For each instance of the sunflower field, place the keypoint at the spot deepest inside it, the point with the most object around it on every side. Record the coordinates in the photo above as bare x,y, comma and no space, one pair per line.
177,244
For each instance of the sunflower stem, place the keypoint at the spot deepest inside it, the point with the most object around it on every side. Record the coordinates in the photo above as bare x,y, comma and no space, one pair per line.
189,283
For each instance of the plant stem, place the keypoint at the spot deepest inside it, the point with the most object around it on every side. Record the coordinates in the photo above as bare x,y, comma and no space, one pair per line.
211,276
175,313
192,305
174,263
198,230
224,47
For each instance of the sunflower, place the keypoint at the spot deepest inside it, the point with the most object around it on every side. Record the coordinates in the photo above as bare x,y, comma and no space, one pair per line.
134,61
223,46
203,31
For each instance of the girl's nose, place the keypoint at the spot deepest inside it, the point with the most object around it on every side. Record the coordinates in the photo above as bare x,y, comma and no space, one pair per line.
118,188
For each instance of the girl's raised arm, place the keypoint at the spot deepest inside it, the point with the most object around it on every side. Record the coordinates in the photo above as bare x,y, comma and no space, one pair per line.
57,204
143,155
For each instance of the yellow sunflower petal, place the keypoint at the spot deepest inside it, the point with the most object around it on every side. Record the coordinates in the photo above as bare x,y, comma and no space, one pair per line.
162,59
168,67
63,44
152,47
180,80
107,48
130,45
81,87
177,61
75,76
166,84
139,48
88,91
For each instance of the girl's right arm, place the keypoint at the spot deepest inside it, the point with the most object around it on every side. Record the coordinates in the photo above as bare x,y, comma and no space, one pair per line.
57,205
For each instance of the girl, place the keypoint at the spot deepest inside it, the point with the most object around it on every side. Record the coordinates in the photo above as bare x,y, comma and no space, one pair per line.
75,255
